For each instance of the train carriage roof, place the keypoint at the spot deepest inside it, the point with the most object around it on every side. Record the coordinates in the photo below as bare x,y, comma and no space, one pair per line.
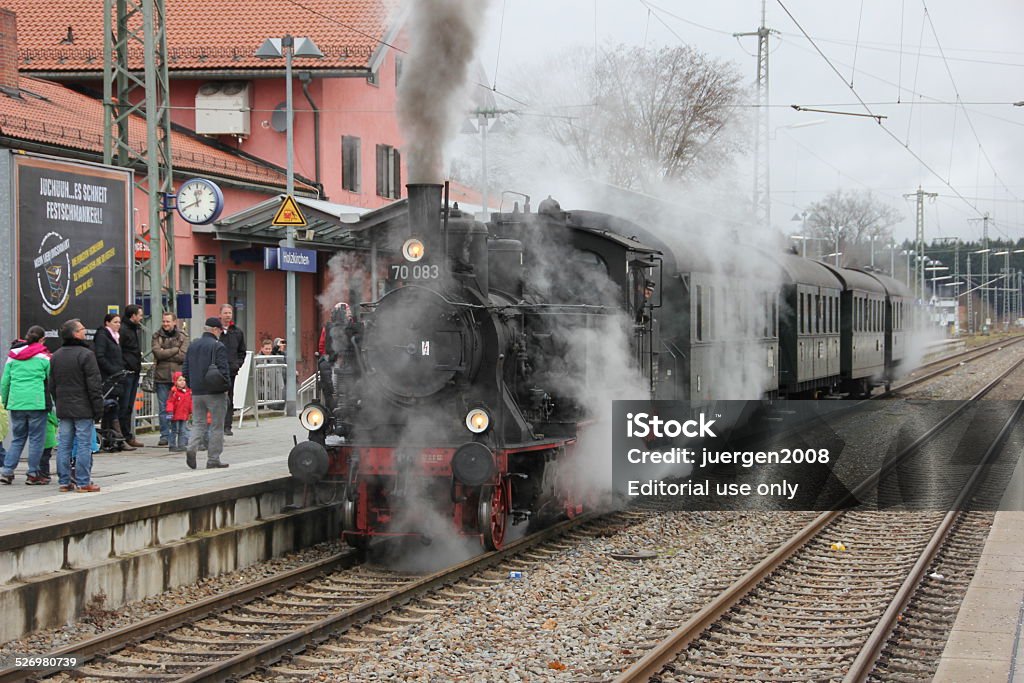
855,279
617,230
893,287
799,270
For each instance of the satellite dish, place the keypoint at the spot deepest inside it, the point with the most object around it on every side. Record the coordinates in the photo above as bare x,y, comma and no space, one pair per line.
233,87
279,119
208,89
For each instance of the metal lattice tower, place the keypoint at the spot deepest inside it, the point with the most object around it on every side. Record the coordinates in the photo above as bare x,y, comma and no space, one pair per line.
140,29
921,263
762,173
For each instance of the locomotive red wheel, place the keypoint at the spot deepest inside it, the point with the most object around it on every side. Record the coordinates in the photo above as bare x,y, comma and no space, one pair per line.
348,523
493,516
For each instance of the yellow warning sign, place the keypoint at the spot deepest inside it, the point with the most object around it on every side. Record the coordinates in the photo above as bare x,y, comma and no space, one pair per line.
288,214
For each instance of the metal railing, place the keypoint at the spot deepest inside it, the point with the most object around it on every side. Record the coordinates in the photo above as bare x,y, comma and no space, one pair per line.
265,394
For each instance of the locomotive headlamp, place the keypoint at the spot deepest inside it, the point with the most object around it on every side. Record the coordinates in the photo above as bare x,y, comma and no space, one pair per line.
477,420
413,249
312,417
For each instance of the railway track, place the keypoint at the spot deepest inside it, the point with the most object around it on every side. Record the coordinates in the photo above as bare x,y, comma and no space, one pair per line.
814,609
235,634
943,365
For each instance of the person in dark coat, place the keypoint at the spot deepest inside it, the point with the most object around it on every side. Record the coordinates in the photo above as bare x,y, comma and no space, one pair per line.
131,350
169,347
110,358
233,340
75,385
203,353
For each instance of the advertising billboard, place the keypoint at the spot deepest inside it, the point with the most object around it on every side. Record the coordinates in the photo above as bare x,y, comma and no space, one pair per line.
72,242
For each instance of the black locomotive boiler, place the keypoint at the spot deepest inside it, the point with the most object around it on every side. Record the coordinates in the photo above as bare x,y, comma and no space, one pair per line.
458,394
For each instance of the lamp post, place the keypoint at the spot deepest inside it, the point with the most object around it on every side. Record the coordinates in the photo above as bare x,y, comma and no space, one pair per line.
839,233
908,253
275,48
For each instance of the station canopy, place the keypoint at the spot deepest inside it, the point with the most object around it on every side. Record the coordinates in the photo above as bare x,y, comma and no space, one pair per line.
329,226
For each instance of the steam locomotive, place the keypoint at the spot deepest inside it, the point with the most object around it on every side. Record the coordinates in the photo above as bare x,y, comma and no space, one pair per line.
461,393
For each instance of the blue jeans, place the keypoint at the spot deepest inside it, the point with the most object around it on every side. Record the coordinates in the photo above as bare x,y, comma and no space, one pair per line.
27,426
179,434
163,391
77,432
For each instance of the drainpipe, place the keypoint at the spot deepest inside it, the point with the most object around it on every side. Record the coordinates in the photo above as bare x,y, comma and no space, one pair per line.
306,78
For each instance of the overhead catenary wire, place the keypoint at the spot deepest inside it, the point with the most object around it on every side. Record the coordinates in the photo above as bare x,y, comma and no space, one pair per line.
924,164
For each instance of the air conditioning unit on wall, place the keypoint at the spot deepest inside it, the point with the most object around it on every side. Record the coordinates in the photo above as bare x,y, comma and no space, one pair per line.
222,108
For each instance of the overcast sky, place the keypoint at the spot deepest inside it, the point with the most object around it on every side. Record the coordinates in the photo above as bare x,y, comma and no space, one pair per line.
893,55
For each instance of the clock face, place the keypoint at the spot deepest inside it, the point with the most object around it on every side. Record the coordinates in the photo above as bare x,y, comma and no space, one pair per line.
200,201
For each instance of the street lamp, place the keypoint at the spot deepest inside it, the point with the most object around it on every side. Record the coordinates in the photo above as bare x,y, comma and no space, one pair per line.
275,48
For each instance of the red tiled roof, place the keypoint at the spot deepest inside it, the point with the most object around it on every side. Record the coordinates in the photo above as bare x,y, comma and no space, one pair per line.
205,34
52,114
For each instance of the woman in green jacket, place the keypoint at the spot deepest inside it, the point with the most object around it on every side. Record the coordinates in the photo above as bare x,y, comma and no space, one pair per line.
23,392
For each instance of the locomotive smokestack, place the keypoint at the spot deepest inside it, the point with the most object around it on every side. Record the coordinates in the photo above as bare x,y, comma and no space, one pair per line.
425,209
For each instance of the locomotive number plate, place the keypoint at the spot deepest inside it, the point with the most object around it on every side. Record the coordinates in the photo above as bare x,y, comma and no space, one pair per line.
415,272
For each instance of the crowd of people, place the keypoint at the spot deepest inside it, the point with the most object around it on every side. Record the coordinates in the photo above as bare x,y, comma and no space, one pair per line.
56,400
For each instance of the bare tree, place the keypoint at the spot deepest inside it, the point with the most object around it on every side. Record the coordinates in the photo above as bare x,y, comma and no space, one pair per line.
632,117
850,220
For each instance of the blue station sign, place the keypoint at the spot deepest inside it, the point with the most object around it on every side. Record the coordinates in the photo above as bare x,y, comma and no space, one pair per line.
288,258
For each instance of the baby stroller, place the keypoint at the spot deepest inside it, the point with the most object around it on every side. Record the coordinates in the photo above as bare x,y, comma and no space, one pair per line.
109,432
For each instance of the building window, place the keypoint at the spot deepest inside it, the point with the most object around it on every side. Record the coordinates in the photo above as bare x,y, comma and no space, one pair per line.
373,78
204,279
389,173
350,177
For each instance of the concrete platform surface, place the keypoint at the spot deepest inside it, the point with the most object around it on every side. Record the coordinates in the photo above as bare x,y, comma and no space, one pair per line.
148,476
987,640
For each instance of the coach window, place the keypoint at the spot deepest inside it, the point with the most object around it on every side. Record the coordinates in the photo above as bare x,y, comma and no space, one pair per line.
700,313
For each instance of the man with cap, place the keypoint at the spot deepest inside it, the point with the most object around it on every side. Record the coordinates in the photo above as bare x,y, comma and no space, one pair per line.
209,392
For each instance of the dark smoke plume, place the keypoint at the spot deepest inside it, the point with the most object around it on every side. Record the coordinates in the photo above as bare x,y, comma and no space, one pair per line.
432,92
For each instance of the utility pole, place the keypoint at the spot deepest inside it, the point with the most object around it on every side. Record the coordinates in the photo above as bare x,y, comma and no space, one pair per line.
919,279
762,170
120,44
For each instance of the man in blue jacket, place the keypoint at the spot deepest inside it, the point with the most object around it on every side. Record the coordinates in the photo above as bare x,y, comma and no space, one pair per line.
209,391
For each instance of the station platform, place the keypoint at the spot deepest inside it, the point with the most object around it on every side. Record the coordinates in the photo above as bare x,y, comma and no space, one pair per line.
987,640
154,525
148,476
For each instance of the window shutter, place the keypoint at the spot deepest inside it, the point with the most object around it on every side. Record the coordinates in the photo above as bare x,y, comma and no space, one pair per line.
398,175
381,167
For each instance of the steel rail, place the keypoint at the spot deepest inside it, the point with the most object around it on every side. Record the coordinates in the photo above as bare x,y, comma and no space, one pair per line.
985,351
296,641
669,649
114,640
865,661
